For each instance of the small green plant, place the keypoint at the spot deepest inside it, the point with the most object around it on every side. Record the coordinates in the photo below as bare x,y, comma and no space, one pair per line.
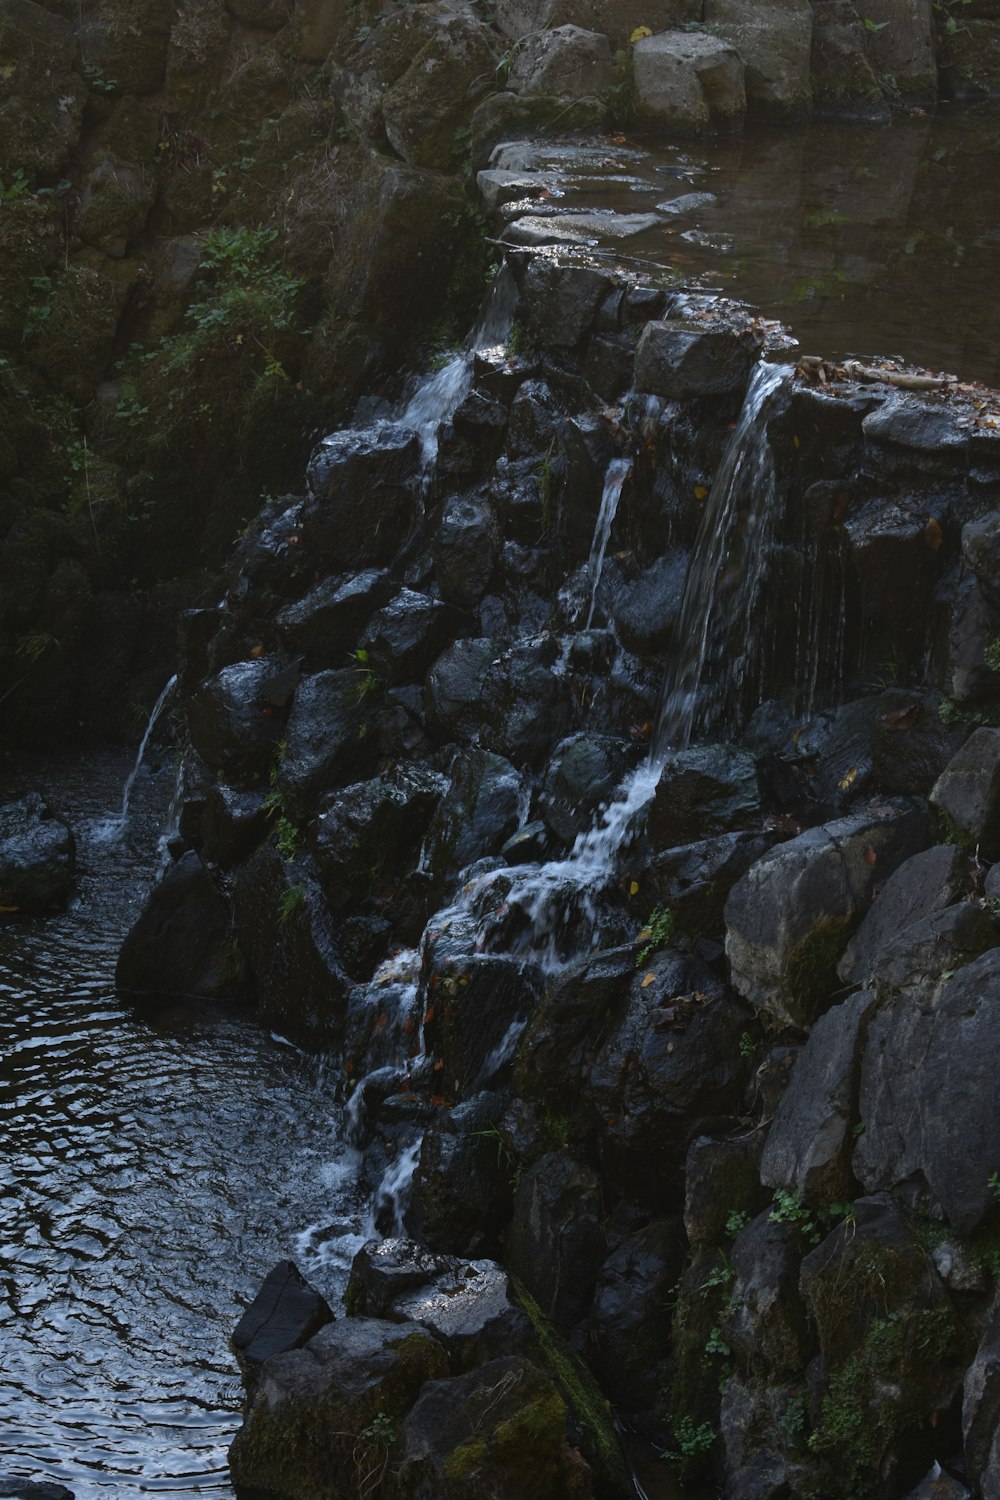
735,1222
747,1044
692,1441
291,899
368,681
788,1208
40,310
656,934
874,26
993,1183
16,187
719,1277
991,655
286,837
715,1344
381,1430
793,1418
96,79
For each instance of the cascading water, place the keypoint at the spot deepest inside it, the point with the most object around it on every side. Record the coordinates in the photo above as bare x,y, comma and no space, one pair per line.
438,397
158,708
619,470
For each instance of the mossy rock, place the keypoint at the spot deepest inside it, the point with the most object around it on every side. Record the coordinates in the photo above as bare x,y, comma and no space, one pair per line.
131,135
28,234
126,48
114,207
969,56
266,15
72,345
197,53
41,101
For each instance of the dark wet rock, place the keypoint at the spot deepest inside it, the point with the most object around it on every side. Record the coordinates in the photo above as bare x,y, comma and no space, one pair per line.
314,1406
694,880
924,884
768,1323
905,431
323,742
770,1079
533,841
775,43
182,941
981,1410
480,1003
285,933
842,76
499,1431
896,557
760,1457
721,1179
475,438
403,638
644,606
918,957
583,773
466,546
556,1242
31,1489
478,812
613,18
929,1089
809,1145
835,751
284,1314
236,718
559,303
569,1020
685,81
461,1193
368,835
362,484
454,686
910,743
326,625
707,790
585,449
981,553
629,1324
233,822
671,1059
790,915
566,60
527,701
537,415
973,626
269,558
967,794
682,360
464,1304
890,1353
37,856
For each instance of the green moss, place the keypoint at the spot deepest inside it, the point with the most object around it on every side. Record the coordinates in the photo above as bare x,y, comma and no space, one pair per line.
581,1392
811,971
465,1460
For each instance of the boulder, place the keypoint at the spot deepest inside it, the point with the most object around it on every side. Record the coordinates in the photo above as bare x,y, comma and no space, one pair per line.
465,549
843,79
910,743
461,1194
926,883
643,604
629,1330
368,835
790,915
233,822
498,1431
284,1314
973,627
667,1063
323,740
364,506
687,80
768,1324
556,1243
702,792
235,718
930,1093
43,101
901,45
571,1016
981,554
558,306
323,1410
981,1410
615,19
182,941
403,637
32,1489
721,1180
680,360
326,625
454,686
582,775
527,701
808,1147
37,855
694,880
562,61
478,1005
967,794
480,810
887,544
775,42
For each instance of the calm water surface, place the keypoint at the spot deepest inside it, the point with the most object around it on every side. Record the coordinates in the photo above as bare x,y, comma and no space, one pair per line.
151,1171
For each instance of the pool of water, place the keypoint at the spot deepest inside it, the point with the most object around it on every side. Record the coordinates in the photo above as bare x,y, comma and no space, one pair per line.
865,240
153,1169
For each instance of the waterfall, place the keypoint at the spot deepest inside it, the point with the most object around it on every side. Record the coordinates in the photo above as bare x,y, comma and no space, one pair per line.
441,395
714,626
614,481
158,708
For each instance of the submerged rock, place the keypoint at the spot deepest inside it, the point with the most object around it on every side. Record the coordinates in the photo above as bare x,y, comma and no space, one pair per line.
37,853
182,941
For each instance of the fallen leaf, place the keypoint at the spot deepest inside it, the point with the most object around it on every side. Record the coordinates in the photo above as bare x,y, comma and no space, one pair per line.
932,534
871,858
649,979
633,889
638,34
849,779
901,718
701,492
